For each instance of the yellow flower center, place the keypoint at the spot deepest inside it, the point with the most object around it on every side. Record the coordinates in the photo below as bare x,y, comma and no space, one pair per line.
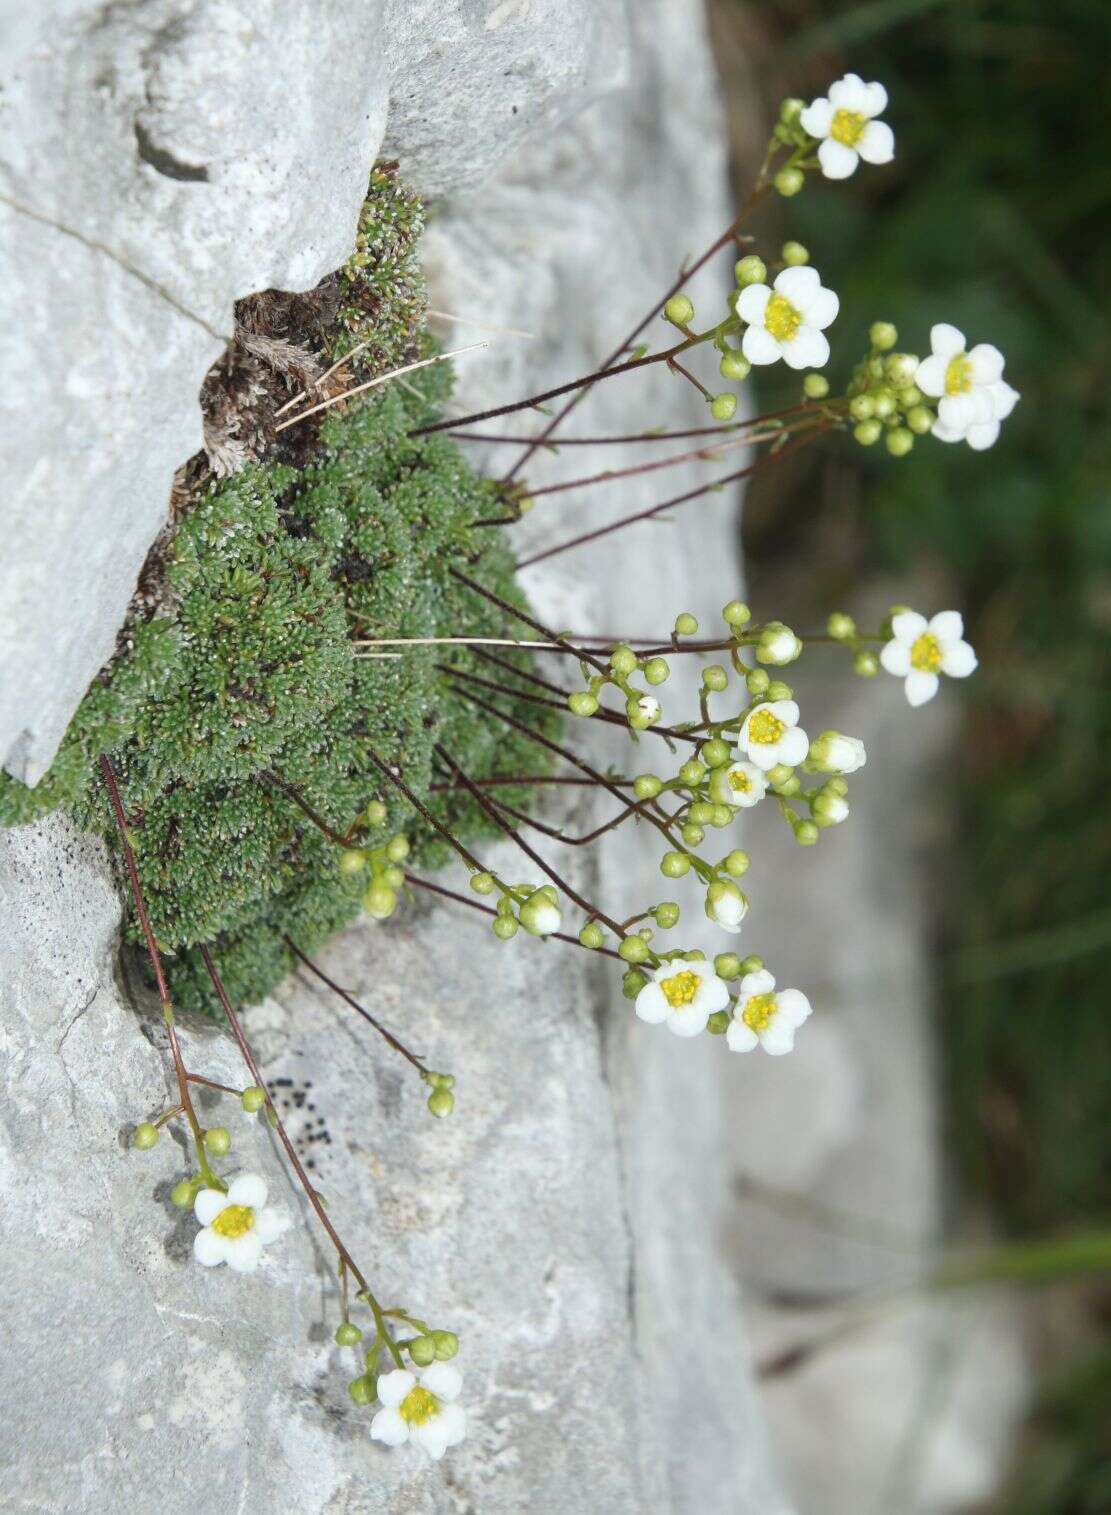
782,319
234,1220
847,127
925,655
958,375
765,728
680,989
759,1012
740,782
418,1406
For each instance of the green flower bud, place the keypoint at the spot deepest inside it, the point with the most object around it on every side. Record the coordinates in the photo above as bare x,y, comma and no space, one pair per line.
736,613
397,849
692,834
815,386
362,1391
540,914
633,949
828,809
715,677
751,964
920,420
351,861
778,690
807,833
734,366
217,1140
867,432
379,902
788,182
675,864
679,311
701,812
718,1024
144,1136
392,876
692,772
750,270
910,396
779,774
657,671
447,1345
666,914
861,407
757,681
883,404
789,786
841,626
646,786
723,407
795,255
715,752
441,1102
882,335
422,1350
184,1193
722,816
483,883
582,703
348,1335
791,110
727,965
685,624
737,863
375,813
777,644
505,927
899,441
623,659
900,368
866,664
632,982
253,1099
592,936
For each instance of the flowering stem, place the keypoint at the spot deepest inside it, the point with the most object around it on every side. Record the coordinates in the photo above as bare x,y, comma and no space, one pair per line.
388,1036
426,815
520,615
472,904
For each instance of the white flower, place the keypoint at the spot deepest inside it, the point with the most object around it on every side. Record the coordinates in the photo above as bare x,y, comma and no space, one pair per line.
237,1225
540,916
762,1016
649,707
968,386
833,752
741,785
421,1408
788,321
846,125
771,734
684,993
726,906
919,650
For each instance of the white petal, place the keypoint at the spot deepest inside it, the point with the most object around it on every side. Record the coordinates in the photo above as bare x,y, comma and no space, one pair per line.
442,1379
651,1005
973,408
760,982
689,1020
741,1038
895,657
210,1248
765,756
822,309
430,1437
778,1039
987,363
809,349
877,143
817,118
876,97
908,626
958,660
850,93
270,1223
793,1007
389,1427
837,160
453,1424
1003,399
930,376
945,340
798,285
947,626
752,302
793,747
393,1387
982,435
713,994
759,346
247,1189
244,1252
786,711
920,686
208,1204
944,433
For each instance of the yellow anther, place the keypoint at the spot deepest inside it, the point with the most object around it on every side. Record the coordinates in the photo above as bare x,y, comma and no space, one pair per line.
847,127
234,1220
680,989
759,1012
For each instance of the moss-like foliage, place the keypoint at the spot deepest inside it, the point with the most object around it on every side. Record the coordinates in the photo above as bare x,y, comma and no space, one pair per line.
248,680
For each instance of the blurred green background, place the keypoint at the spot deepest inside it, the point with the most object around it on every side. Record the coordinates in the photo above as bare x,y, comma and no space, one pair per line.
995,217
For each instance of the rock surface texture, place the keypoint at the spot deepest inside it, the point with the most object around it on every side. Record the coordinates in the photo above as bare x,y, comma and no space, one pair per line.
568,1217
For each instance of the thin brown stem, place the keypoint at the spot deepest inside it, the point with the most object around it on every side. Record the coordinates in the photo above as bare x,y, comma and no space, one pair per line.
349,999
677,367
527,620
472,904
700,454
306,809
426,814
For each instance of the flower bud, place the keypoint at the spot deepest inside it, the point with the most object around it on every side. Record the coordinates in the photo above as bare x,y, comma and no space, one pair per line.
795,255
351,861
685,624
646,786
623,659
253,1099
505,927
751,964
217,1140
883,404
791,110
361,1391
727,965
692,772
866,664
379,902
679,311
757,681
144,1136
736,613
778,690
788,182
833,752
841,626
867,432
718,1024
184,1193
723,407
806,833
642,711
920,420
375,813
714,753
447,1345
715,677
539,916
392,876
882,335
483,883
422,1350
657,671
750,270
899,441
777,644
666,914
675,864
692,834
702,813
734,366
441,1102
815,386
397,849
900,368
582,703
829,809
737,863
633,949
348,1335
861,407
780,774
592,936
632,982
726,906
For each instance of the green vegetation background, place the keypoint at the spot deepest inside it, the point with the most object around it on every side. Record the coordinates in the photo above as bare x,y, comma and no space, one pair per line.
995,217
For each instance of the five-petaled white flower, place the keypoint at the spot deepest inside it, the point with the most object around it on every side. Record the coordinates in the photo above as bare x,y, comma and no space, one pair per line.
919,650
726,906
788,320
846,125
682,993
771,734
741,785
972,395
762,1016
237,1225
421,1408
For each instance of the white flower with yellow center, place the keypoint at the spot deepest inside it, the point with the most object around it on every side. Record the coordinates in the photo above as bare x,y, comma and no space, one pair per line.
972,396
741,785
761,1017
846,126
237,1225
771,734
788,319
682,994
726,906
420,1407
919,650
